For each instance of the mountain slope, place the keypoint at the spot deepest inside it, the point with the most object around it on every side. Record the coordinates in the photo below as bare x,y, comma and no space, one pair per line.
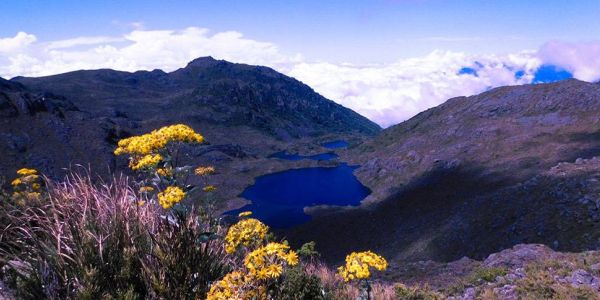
474,176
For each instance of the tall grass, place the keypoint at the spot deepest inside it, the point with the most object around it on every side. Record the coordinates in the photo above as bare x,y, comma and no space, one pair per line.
86,240
94,241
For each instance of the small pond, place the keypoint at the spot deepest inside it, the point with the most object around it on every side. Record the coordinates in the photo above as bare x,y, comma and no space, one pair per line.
287,156
278,199
335,144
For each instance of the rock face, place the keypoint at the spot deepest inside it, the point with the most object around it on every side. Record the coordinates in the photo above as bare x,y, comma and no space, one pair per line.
245,112
476,175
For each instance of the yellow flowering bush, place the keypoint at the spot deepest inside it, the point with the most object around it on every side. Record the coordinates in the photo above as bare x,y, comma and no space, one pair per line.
155,156
157,140
235,285
269,261
263,263
170,196
248,232
27,186
358,265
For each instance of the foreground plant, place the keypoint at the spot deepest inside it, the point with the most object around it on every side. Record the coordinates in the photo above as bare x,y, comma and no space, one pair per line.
93,241
27,186
358,268
156,157
263,264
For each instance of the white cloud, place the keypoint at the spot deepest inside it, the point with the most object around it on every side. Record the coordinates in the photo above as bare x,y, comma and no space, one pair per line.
16,43
386,93
82,41
137,50
581,59
391,93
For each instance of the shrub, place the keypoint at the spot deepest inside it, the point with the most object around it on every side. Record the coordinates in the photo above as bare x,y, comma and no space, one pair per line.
416,293
486,274
184,258
299,285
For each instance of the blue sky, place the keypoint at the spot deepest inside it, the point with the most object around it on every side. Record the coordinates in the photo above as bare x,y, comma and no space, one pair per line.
386,59
356,31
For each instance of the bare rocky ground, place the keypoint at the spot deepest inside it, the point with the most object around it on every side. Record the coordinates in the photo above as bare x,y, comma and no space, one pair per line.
525,271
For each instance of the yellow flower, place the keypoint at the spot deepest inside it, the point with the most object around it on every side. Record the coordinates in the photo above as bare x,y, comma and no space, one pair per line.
16,182
26,171
146,189
235,286
247,232
158,139
164,172
358,264
268,262
36,186
141,203
147,161
245,214
170,196
204,171
209,188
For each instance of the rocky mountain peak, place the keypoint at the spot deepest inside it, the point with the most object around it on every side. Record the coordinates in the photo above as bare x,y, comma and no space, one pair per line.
202,62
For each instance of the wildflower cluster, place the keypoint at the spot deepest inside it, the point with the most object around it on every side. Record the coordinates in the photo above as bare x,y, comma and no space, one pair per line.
358,265
155,156
147,151
170,196
27,185
248,233
267,262
157,140
263,264
235,285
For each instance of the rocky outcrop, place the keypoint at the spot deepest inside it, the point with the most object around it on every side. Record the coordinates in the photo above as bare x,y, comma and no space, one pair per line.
525,271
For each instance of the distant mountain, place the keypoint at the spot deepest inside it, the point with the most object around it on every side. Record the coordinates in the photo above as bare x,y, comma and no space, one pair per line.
211,91
246,113
476,175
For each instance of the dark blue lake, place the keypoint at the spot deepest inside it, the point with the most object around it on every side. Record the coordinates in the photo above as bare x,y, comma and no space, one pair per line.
286,156
279,199
335,144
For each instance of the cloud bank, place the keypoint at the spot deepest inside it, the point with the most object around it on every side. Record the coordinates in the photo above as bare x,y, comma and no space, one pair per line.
386,93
